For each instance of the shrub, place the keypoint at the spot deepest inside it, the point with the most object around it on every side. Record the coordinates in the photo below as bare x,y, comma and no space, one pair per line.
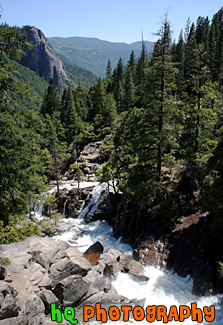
15,233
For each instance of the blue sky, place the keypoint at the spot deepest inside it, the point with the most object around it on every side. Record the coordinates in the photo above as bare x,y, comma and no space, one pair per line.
116,20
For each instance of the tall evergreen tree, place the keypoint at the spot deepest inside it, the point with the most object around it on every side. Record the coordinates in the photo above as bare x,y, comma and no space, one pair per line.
109,70
129,90
132,65
51,101
142,64
161,63
71,123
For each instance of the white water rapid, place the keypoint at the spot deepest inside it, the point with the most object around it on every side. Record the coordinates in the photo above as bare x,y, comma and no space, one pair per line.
163,288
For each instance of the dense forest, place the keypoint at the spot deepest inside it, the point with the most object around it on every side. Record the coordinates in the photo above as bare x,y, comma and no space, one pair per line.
160,121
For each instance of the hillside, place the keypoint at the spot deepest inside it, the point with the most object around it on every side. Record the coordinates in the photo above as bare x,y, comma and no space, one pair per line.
93,54
33,85
79,75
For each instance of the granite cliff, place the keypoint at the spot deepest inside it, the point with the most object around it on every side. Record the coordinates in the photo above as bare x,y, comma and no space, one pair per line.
42,59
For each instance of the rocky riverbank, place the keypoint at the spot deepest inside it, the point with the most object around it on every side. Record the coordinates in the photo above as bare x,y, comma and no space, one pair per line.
184,244
42,271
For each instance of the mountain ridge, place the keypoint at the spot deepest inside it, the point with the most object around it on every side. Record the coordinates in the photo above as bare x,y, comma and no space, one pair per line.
93,54
81,41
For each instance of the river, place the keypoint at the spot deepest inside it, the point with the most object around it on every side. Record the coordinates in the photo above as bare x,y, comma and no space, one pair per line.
163,288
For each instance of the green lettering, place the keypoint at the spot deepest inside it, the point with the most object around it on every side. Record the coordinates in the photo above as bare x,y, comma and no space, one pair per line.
69,314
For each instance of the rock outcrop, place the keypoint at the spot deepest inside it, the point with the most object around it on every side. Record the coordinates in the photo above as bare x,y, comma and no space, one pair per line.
185,244
42,59
44,271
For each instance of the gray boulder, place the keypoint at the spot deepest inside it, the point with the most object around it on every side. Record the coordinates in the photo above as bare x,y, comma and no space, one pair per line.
66,266
70,290
8,305
49,298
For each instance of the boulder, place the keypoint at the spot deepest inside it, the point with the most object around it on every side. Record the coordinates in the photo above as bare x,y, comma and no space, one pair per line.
70,290
93,253
8,305
2,273
32,305
25,320
98,282
65,267
49,298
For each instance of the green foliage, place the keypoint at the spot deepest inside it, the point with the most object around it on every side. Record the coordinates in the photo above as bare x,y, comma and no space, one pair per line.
93,54
51,99
34,87
47,226
77,173
80,76
5,261
15,233
212,190
21,169
151,115
220,269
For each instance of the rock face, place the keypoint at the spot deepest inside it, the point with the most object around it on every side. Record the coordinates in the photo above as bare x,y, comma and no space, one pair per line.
184,244
43,59
45,270
91,156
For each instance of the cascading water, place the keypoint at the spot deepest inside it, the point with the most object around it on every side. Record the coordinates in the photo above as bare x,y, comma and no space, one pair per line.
64,207
163,288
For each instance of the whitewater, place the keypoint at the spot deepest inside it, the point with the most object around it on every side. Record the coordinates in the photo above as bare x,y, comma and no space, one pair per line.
163,288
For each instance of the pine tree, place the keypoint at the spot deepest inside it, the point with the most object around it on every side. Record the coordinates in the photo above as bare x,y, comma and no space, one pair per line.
142,64
56,148
109,70
190,45
178,53
129,90
51,101
71,124
197,139
132,65
21,167
162,71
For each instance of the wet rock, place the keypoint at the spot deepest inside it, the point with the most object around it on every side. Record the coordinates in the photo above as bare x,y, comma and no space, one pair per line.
152,252
93,253
136,270
98,282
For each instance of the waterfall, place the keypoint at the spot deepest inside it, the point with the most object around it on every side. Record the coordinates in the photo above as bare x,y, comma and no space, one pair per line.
163,288
95,198
64,207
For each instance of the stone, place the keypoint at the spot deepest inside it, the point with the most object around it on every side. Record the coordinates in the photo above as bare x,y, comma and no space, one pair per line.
48,298
99,282
134,267
66,267
45,282
25,320
32,305
8,305
2,273
43,60
70,290
93,253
